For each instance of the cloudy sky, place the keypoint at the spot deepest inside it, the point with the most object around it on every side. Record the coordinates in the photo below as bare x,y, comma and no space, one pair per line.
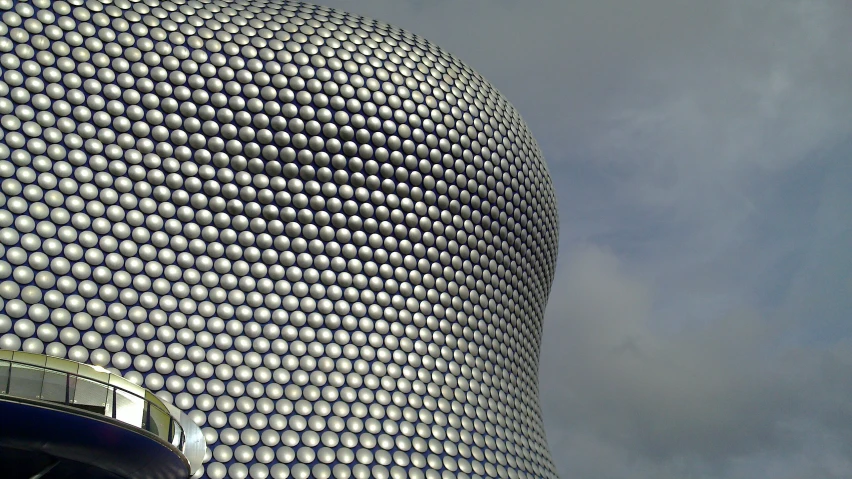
702,153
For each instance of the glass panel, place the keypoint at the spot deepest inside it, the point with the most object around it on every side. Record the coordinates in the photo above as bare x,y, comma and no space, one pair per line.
55,384
72,387
109,407
26,381
125,385
30,359
4,377
95,373
62,365
159,423
129,408
90,396
176,435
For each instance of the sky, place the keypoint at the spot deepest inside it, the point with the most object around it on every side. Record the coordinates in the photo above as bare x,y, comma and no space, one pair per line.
699,322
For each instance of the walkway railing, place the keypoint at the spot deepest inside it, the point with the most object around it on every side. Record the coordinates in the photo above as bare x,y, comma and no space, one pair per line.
89,388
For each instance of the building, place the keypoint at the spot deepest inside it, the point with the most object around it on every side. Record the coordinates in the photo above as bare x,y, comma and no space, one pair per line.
324,239
65,419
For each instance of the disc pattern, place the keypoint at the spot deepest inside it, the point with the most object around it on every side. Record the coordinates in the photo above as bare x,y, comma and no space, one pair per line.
327,240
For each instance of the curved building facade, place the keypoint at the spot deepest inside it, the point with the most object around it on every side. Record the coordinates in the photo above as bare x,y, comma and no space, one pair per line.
325,239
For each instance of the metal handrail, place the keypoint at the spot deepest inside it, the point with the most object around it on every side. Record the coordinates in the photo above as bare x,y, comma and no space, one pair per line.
110,403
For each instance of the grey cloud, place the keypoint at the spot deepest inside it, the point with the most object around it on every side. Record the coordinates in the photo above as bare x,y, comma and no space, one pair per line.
709,398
